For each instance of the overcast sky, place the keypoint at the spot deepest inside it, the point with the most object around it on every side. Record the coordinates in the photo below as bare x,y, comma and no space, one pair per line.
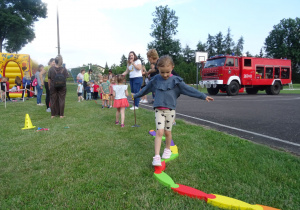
100,31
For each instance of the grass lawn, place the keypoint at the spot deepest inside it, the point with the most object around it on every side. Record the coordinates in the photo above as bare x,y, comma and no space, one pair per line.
96,164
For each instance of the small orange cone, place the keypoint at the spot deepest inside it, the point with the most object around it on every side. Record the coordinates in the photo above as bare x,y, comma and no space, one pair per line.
28,124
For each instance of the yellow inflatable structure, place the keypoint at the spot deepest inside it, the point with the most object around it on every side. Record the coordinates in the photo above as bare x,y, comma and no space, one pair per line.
13,65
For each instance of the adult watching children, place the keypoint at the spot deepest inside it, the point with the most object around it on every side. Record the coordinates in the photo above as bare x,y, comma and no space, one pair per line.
134,66
80,75
86,79
57,87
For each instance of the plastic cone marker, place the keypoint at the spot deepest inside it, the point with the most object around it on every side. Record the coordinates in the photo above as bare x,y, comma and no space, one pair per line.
28,124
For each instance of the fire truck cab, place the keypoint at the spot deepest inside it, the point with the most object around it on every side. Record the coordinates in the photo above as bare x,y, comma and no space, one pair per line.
231,74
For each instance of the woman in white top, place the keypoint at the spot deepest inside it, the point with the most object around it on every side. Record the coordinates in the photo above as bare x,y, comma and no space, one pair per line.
134,66
80,75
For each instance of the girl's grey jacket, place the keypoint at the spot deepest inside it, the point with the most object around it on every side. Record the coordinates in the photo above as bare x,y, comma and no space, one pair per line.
167,91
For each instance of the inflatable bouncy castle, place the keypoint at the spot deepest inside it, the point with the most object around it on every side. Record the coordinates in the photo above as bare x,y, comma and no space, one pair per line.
13,65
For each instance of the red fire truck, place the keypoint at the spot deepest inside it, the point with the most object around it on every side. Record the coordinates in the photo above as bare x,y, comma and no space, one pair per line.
231,74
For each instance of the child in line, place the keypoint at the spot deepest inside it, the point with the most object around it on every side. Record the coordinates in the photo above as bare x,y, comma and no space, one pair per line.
18,82
167,88
92,89
111,91
105,91
96,89
3,85
7,89
100,82
26,85
120,94
79,90
39,86
88,91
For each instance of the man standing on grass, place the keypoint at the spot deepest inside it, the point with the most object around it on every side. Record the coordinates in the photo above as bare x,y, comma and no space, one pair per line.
86,79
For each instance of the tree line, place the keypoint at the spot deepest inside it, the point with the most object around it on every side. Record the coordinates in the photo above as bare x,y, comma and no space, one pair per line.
282,42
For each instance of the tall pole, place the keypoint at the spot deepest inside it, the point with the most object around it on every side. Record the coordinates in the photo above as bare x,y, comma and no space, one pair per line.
58,44
197,75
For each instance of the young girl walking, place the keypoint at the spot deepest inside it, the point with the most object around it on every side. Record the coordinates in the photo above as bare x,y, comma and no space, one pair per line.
120,94
167,88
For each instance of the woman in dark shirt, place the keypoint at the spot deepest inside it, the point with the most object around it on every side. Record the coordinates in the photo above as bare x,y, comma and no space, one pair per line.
57,95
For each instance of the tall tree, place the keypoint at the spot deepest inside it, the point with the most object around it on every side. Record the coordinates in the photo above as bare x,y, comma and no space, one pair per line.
228,43
123,61
248,54
219,46
201,46
283,42
164,27
261,53
17,20
210,45
188,54
238,49
106,68
141,59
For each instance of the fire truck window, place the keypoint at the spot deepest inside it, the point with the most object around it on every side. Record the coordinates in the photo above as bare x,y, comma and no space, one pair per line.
236,62
269,73
285,73
247,62
229,62
277,71
259,72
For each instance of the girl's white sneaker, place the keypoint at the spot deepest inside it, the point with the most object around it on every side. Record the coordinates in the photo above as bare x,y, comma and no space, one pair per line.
156,161
167,154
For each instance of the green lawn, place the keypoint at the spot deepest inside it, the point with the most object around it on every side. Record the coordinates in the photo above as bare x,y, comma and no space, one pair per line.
96,164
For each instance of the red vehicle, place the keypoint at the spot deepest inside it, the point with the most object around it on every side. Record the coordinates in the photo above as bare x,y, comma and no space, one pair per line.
232,74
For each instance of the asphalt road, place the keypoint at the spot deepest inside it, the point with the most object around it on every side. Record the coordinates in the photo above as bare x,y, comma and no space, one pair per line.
264,119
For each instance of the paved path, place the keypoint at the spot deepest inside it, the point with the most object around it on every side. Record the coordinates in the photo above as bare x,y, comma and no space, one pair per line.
265,119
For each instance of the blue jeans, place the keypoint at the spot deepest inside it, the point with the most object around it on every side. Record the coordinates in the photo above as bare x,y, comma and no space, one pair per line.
39,94
88,96
135,85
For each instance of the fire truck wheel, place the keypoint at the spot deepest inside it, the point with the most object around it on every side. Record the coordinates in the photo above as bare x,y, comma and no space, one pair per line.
233,88
213,91
251,91
274,89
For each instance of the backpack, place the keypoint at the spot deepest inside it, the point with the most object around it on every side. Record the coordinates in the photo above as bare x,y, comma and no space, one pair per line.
59,79
34,82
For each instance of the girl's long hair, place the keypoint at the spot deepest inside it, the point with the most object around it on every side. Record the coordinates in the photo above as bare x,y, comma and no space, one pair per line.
135,57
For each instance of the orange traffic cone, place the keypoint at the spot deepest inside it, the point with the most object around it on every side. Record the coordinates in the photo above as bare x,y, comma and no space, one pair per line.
28,124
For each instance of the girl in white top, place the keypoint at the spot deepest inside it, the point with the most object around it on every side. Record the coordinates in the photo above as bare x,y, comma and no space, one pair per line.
120,94
79,90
